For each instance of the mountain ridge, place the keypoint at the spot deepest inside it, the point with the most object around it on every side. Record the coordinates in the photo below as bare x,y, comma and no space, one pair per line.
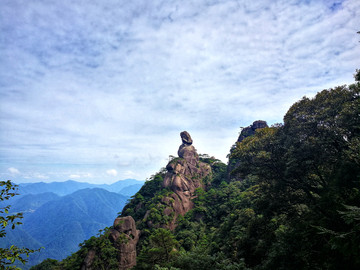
70,186
60,223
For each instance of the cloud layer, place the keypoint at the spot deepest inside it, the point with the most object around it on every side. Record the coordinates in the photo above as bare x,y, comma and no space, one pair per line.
85,86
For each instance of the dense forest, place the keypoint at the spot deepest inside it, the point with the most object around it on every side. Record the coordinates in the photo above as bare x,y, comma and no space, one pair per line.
289,198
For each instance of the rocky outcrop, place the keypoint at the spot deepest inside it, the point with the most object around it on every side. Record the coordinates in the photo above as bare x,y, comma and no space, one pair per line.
124,236
184,175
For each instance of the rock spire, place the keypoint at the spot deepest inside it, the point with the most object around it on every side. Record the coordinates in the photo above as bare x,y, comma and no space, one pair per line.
184,176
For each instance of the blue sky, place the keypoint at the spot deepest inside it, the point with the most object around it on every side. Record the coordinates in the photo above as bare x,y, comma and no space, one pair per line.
99,91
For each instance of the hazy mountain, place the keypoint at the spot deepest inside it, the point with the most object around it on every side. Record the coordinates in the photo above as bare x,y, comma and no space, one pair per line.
130,190
60,188
59,224
30,202
120,186
70,186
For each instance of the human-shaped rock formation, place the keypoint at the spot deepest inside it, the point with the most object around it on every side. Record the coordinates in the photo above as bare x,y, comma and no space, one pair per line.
184,176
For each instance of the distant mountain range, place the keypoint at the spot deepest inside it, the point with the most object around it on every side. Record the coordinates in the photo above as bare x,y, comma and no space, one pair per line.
70,186
60,215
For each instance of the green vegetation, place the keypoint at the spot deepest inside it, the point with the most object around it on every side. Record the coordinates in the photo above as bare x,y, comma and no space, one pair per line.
48,264
160,250
12,254
106,254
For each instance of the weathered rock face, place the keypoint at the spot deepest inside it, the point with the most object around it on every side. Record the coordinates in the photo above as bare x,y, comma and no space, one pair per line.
125,236
184,176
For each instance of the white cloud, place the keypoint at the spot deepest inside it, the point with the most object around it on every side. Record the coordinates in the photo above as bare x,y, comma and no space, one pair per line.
77,93
40,176
112,172
13,171
80,175
130,174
